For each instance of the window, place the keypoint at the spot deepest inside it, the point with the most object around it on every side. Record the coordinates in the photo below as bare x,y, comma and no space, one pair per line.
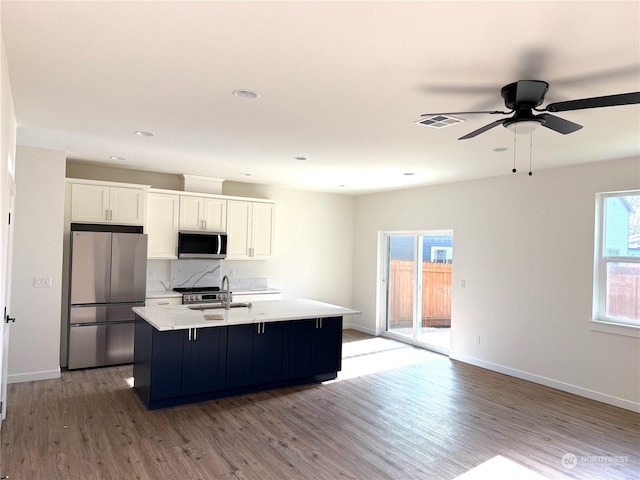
617,276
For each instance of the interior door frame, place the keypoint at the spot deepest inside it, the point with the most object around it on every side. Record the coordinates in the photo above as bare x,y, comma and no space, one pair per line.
7,242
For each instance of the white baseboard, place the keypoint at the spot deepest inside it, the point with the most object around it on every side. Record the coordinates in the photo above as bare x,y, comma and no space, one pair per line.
33,376
359,328
549,382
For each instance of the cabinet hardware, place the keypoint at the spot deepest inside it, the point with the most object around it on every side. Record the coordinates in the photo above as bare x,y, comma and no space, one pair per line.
263,327
321,326
258,329
189,334
195,334
9,319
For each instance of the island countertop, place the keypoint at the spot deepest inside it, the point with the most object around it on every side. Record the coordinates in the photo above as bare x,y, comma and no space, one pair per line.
181,317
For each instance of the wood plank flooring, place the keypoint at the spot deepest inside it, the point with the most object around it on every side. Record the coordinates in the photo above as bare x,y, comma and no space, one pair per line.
395,412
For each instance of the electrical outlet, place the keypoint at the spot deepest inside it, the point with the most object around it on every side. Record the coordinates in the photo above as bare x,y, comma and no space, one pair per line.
476,339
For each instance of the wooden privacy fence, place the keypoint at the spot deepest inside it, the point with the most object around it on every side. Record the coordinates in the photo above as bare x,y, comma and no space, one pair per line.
623,291
436,294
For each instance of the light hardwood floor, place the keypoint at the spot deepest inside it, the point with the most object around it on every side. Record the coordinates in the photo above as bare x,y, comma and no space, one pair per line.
395,412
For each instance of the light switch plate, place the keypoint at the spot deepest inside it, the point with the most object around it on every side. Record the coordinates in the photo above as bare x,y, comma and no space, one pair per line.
42,281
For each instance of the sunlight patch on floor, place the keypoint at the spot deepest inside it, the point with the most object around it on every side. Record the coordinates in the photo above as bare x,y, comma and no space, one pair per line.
365,357
500,468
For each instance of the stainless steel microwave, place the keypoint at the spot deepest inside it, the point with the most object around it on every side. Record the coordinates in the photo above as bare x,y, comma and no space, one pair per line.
202,245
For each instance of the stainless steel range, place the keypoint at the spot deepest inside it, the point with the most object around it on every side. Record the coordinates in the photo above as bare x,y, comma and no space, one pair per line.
201,295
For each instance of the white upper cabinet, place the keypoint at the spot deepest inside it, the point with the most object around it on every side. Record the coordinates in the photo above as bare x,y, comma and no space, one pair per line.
162,225
249,230
203,213
262,230
94,203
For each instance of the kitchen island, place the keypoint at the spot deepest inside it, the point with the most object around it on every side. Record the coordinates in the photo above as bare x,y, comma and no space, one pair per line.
191,353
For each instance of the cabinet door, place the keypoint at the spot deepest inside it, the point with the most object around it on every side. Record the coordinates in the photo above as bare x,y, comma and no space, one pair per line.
191,213
270,352
89,203
262,221
255,356
315,347
126,205
215,215
162,225
300,349
240,355
327,346
238,229
170,365
208,359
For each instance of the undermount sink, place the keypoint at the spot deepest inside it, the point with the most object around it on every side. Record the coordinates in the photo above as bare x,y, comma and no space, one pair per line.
219,306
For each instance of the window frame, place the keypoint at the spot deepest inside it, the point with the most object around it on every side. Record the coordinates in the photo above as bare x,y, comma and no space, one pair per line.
600,320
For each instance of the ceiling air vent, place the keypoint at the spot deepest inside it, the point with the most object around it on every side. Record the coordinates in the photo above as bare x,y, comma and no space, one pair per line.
439,121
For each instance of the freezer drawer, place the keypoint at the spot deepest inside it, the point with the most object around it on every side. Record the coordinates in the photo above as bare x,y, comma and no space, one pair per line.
102,313
100,345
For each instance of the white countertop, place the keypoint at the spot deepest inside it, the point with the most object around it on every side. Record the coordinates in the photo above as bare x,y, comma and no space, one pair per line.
181,317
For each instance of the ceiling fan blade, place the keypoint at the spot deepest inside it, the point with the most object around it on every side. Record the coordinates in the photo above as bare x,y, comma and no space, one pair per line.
490,112
482,130
558,124
531,91
595,102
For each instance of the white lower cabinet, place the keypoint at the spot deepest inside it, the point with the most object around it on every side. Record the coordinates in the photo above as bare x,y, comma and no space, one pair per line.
250,228
162,225
155,301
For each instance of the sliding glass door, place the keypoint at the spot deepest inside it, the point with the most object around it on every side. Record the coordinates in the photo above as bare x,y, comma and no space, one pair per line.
417,275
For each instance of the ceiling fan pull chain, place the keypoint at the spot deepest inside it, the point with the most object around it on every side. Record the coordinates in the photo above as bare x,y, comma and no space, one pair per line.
514,147
530,150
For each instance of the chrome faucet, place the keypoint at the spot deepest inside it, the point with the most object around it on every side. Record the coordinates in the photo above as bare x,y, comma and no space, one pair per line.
227,296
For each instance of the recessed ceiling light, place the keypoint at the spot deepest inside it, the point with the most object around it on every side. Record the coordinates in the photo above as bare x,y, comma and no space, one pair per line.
142,133
300,158
115,157
244,93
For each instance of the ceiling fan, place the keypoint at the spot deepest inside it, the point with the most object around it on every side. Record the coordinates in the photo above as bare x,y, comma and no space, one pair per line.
522,99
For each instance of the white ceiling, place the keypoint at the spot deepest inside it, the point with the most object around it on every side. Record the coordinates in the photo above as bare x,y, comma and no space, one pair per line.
340,83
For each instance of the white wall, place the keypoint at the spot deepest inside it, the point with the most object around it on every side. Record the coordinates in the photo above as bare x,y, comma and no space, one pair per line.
39,218
525,247
313,254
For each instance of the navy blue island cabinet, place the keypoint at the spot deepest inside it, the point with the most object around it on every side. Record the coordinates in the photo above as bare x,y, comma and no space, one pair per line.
176,367
316,346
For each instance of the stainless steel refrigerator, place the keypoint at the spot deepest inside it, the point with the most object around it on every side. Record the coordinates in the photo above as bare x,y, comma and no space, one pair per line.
108,278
